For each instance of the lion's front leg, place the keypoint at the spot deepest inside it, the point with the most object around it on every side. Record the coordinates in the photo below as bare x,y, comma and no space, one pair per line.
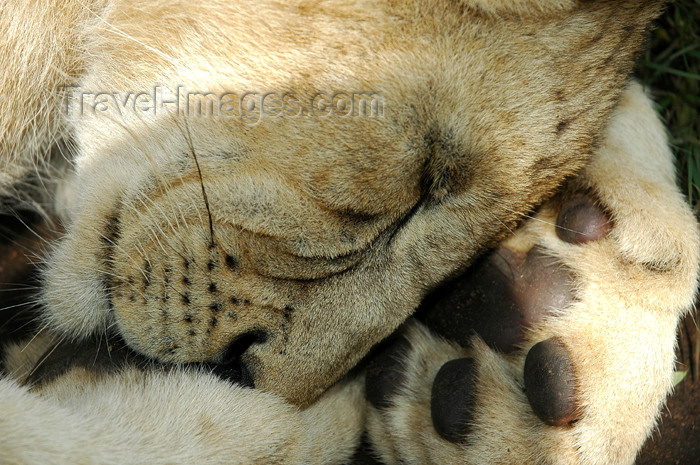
566,332
172,418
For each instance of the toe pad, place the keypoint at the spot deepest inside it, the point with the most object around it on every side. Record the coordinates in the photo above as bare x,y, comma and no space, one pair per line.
550,383
452,399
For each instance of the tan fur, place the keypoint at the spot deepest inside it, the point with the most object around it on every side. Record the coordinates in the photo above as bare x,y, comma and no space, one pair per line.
172,417
314,237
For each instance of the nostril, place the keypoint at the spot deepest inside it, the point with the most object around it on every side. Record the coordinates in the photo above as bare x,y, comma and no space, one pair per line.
239,345
231,367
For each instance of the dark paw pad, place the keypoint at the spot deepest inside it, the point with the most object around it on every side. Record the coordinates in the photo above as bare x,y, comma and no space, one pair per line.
452,399
550,383
580,221
385,373
498,297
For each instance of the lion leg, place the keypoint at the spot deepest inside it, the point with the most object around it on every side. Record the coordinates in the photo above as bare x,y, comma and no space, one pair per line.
176,418
562,340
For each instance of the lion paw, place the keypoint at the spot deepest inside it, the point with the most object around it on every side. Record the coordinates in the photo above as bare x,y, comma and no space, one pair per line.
557,347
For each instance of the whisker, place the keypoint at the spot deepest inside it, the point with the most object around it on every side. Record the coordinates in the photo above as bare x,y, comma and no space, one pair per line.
27,287
34,302
47,355
528,216
504,225
18,217
201,182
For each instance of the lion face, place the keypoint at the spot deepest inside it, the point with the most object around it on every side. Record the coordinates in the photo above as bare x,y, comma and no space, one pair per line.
282,242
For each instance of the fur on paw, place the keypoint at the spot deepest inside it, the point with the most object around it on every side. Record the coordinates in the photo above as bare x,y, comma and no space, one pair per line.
558,346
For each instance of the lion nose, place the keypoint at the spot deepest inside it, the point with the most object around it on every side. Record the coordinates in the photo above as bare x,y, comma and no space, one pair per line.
231,366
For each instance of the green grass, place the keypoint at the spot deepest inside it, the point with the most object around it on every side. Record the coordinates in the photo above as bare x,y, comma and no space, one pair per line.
671,68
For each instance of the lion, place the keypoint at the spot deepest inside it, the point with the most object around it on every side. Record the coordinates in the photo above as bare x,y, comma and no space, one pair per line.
255,195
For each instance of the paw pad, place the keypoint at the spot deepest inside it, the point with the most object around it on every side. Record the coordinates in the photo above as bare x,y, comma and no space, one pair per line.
452,399
500,296
580,221
550,383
